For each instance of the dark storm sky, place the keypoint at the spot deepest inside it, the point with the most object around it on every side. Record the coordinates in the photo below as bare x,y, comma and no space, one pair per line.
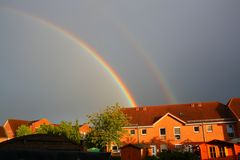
164,51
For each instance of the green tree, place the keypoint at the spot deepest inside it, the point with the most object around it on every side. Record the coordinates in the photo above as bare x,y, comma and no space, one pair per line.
106,127
67,129
23,130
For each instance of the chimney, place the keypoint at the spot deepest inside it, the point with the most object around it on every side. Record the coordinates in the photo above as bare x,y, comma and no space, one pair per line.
181,114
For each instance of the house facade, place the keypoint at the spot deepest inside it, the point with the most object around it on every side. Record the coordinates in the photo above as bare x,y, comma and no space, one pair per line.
182,127
8,130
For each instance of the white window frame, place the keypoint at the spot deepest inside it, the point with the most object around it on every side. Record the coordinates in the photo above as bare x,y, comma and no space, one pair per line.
208,129
142,132
194,129
162,135
177,134
154,150
115,150
131,131
163,147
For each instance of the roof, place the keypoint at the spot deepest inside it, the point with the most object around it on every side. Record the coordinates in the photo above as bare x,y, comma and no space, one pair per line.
84,128
189,113
40,141
43,146
139,146
219,142
234,105
2,132
15,123
235,140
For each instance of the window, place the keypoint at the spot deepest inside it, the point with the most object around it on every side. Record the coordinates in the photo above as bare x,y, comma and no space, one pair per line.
177,133
162,133
230,130
222,152
115,149
188,148
163,147
178,147
209,128
132,131
196,129
144,131
212,152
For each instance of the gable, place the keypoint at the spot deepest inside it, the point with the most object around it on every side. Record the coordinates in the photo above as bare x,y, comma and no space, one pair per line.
11,125
234,106
37,123
166,118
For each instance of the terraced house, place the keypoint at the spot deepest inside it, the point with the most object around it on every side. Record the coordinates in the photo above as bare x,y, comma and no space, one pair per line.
210,129
185,126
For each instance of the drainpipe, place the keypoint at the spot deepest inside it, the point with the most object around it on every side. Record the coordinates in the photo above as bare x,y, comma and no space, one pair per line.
204,140
138,136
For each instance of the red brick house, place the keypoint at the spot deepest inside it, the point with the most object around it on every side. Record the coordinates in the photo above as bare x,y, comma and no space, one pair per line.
11,125
182,126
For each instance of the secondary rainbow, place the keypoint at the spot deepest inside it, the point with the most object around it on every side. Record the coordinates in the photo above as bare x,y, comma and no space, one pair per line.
90,50
168,95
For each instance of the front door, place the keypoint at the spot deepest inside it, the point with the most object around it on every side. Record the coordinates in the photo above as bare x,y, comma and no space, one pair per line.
154,150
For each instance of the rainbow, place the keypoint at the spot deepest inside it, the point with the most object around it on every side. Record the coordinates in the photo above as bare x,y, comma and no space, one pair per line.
90,50
164,87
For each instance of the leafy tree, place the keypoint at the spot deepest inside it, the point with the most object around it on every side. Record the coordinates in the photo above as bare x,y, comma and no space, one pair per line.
106,127
46,129
23,130
67,129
